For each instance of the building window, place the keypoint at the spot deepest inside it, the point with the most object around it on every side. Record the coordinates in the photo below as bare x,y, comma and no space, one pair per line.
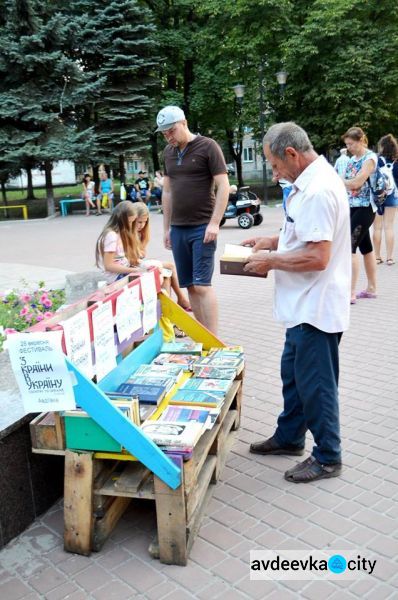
247,154
133,166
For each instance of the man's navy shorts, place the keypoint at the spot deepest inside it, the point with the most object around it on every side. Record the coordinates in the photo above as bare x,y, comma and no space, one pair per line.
194,259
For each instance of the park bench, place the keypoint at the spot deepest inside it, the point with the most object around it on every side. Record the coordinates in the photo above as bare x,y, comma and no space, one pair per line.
23,206
64,202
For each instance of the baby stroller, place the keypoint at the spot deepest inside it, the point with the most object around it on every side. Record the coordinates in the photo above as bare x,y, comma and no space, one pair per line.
245,206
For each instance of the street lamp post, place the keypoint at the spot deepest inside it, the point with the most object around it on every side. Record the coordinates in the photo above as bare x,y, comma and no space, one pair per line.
239,91
281,77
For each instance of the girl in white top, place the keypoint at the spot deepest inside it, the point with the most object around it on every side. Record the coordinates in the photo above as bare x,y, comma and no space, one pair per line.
141,227
117,248
88,193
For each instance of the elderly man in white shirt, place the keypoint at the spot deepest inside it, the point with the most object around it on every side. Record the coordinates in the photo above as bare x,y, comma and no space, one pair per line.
311,260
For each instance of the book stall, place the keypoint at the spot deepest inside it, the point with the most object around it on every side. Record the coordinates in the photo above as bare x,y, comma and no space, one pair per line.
135,413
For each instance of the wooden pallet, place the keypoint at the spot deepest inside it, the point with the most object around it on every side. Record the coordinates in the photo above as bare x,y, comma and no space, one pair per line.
97,491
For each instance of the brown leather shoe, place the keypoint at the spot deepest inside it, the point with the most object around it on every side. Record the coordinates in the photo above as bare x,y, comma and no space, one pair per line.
272,447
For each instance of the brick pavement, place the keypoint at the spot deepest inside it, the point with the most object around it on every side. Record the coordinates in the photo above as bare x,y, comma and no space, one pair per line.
252,507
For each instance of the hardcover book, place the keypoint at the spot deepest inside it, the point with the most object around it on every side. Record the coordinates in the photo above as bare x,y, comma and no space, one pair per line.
152,394
191,397
218,360
165,370
180,435
185,360
234,259
188,347
166,382
209,372
180,414
207,385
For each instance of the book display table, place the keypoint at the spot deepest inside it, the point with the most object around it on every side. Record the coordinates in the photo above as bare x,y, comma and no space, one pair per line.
117,462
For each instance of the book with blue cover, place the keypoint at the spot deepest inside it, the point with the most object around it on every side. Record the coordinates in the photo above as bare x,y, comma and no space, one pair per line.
151,394
166,382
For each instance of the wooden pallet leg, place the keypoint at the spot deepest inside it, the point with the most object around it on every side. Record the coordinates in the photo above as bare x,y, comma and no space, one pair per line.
78,502
171,518
237,405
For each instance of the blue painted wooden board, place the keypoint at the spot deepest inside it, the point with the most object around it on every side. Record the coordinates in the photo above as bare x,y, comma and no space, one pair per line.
96,404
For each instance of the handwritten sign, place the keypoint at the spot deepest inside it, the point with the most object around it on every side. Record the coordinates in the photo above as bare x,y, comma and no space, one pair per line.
77,342
41,372
149,298
128,312
104,341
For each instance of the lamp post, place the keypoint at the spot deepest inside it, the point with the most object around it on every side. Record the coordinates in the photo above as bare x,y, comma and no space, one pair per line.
239,91
281,78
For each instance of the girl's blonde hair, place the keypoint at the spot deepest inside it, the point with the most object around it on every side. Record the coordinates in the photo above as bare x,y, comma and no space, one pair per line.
119,223
144,234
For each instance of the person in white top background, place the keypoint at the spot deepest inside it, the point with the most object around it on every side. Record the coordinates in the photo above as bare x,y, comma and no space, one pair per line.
341,162
311,260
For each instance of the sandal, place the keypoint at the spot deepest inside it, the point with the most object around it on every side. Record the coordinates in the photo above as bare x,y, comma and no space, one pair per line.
179,333
366,294
312,470
390,262
379,261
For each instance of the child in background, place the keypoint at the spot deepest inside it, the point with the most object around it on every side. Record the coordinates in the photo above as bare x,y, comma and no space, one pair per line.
88,193
141,227
117,247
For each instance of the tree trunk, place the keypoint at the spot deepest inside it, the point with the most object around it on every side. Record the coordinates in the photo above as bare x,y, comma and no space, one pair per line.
29,195
96,178
48,167
236,152
122,169
4,192
154,151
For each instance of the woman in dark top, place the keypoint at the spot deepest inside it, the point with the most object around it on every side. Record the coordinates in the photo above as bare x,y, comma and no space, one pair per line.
388,154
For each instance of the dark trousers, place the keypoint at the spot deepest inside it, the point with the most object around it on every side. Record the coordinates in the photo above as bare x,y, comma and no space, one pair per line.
310,372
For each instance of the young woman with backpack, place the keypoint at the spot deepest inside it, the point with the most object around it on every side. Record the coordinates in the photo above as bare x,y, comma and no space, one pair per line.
388,155
360,168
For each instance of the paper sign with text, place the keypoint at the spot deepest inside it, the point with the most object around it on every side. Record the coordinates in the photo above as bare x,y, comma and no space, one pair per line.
41,371
77,342
128,312
104,341
149,298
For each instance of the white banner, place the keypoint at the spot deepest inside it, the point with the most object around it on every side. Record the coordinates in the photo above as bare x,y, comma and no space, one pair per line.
41,371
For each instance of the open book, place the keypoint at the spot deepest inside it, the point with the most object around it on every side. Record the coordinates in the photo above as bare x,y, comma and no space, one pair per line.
234,259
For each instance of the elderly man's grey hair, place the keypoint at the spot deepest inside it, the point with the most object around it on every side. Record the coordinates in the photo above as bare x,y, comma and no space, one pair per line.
282,135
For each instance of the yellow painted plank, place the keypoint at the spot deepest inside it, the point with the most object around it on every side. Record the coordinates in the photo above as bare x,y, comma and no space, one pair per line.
188,324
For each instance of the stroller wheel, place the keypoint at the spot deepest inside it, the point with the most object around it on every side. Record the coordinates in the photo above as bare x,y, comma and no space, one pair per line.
245,220
258,218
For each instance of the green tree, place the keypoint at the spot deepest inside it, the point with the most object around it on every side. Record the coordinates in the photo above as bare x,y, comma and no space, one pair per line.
341,58
39,87
117,43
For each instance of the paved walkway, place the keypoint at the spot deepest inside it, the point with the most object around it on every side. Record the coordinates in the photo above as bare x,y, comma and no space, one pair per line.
252,507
